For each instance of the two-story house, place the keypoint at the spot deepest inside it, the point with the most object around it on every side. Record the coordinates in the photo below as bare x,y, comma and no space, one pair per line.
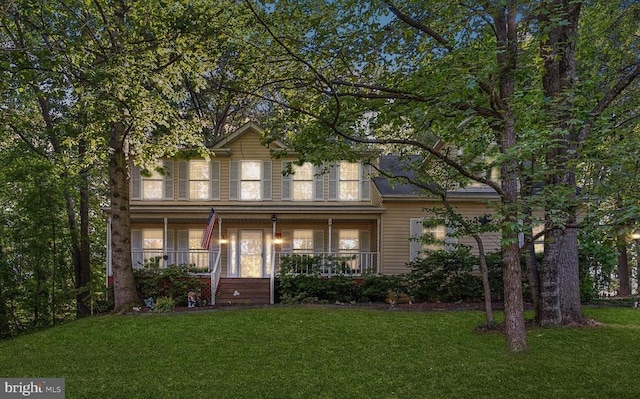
263,215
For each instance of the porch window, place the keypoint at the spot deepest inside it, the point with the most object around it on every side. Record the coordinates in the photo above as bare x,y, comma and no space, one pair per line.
199,179
152,239
348,240
146,246
302,241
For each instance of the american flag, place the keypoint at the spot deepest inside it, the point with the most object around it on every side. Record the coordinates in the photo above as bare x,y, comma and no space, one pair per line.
208,230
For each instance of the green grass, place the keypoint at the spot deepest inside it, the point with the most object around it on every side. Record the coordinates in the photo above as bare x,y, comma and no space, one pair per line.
317,352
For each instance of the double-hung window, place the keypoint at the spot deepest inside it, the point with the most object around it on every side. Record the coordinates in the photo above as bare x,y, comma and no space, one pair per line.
154,183
349,181
425,238
250,180
199,172
302,241
304,183
199,180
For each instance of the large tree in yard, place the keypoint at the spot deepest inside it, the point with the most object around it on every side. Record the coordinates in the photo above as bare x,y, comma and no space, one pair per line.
407,77
127,72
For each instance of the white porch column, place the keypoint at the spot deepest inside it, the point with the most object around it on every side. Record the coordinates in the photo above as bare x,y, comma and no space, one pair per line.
165,242
272,277
379,244
330,221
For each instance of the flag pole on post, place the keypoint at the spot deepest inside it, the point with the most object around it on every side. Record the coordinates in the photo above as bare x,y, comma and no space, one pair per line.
208,230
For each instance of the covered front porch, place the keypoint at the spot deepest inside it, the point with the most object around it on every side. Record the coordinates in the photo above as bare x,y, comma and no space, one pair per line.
257,246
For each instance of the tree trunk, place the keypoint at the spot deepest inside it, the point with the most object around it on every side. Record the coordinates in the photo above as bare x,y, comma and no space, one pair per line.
623,266
569,277
559,275
550,311
83,270
507,41
488,308
124,287
526,192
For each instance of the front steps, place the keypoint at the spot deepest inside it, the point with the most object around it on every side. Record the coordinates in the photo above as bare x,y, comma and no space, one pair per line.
243,291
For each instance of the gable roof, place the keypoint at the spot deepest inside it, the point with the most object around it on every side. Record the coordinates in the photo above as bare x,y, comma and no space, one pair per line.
393,165
239,132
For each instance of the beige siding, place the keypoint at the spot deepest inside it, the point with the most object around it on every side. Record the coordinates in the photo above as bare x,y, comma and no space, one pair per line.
396,235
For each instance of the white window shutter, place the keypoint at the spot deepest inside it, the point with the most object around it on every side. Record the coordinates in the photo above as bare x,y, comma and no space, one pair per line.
168,179
365,248
170,250
136,247
365,241
318,241
287,241
183,180
286,182
267,174
449,241
136,183
335,238
365,182
233,180
333,181
415,234
214,176
183,247
318,184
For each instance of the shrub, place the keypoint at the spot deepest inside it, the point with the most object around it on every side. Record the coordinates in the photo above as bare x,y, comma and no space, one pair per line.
445,276
164,304
173,282
376,288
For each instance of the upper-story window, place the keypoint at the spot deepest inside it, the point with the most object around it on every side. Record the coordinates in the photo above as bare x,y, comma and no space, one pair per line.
199,180
304,183
250,180
152,185
348,189
349,181
155,183
199,173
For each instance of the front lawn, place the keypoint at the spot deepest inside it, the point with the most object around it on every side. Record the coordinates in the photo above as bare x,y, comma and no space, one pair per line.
327,352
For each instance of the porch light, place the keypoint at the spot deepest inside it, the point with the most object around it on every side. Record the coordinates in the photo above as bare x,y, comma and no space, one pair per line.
278,239
224,240
274,218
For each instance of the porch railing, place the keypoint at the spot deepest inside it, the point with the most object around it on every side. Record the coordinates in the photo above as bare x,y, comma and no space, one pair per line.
197,261
215,277
328,264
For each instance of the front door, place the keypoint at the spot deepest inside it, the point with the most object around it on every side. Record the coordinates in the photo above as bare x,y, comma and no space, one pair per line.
251,253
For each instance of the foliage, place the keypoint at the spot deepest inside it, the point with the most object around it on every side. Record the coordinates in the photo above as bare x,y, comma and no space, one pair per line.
164,304
377,288
173,282
445,276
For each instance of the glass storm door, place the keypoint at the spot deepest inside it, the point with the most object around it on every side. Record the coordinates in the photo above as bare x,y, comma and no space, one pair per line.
251,253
